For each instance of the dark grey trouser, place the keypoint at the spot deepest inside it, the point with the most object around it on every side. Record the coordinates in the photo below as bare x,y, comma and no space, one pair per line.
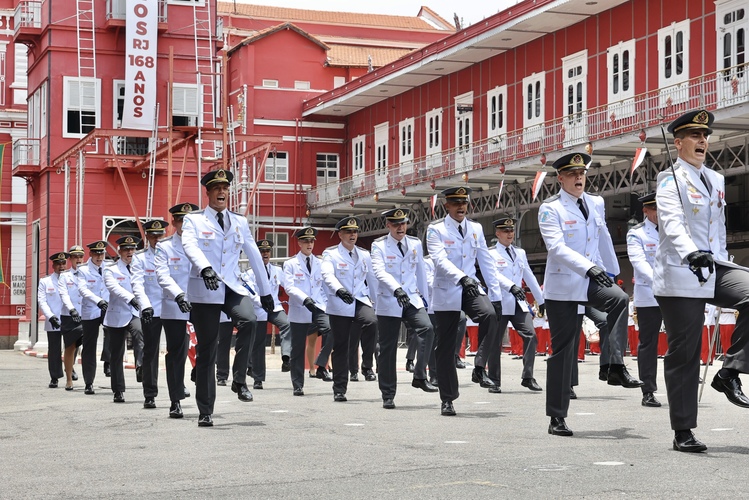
649,321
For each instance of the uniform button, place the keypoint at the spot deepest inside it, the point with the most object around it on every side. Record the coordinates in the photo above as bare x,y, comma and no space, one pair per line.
711,203
587,255
711,240
224,251
222,265
588,239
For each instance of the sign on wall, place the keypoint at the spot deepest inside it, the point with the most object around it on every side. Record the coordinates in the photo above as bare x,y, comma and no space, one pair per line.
140,64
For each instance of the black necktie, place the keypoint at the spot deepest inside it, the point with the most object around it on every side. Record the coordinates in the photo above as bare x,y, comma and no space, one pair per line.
99,271
400,247
309,266
128,268
267,270
351,254
460,230
704,181
582,208
509,252
220,218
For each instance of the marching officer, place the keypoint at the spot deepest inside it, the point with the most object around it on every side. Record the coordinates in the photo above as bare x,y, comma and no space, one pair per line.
146,288
93,307
48,297
642,242
172,272
580,254
402,292
276,317
691,269
213,239
70,317
347,274
512,263
455,244
122,315
307,304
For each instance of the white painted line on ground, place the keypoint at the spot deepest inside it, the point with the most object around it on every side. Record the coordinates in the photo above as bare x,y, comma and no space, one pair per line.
608,463
584,414
482,402
456,442
279,411
354,425
722,429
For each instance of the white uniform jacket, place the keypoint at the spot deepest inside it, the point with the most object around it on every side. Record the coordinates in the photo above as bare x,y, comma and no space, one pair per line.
699,225
340,270
276,280
300,284
454,257
207,245
516,271
67,287
92,289
394,271
145,282
642,241
172,273
117,280
574,245
48,299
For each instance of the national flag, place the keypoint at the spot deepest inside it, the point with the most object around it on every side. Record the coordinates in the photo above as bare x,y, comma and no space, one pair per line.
538,182
434,204
499,194
639,157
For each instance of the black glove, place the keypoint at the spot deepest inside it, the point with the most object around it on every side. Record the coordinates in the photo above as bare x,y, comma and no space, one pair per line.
210,278
402,297
470,286
146,314
55,322
701,259
599,276
74,315
135,304
267,302
309,304
518,293
103,305
541,310
183,303
345,296
497,307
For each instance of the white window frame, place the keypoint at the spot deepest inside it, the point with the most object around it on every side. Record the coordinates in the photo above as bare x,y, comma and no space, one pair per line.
3,71
91,102
186,2
433,130
327,178
301,85
280,241
37,113
270,84
406,140
381,155
664,34
621,100
496,111
537,84
125,145
20,78
734,72
357,155
182,105
339,81
277,167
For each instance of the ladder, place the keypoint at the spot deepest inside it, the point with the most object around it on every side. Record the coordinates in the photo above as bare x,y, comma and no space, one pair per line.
86,47
236,186
152,164
204,59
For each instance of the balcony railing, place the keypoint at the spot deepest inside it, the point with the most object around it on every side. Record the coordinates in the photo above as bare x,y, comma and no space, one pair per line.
28,14
26,152
715,90
117,9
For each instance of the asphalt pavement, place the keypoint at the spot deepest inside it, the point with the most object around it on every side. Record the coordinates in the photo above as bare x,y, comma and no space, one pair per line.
59,444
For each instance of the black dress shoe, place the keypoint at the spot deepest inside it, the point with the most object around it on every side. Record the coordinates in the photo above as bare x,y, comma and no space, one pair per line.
686,442
149,403
119,397
107,369
388,404
68,387
434,381
731,387
369,375
285,366
323,374
89,389
447,409
339,397
424,385
243,393
175,411
354,377
53,383
410,365
74,377
459,363
258,384
221,382
618,375
495,389
139,374
298,391
573,395
648,399
558,427
187,392
531,384
480,377
603,373
205,420
312,374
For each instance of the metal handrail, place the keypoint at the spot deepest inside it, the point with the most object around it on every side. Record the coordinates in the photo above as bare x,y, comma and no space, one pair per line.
117,9
28,14
719,89
26,152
